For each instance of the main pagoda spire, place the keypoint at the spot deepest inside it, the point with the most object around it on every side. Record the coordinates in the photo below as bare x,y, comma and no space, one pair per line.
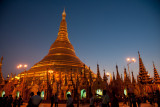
63,34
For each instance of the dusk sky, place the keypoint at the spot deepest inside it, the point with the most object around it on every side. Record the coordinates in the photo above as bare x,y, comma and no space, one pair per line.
102,31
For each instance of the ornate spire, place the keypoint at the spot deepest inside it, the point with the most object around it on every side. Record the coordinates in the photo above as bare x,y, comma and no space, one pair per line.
125,74
104,76
118,76
63,34
156,75
63,14
1,76
126,78
113,77
98,73
1,60
143,74
121,78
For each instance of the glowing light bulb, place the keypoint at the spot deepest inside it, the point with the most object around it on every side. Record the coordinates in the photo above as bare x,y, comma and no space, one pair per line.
25,66
20,65
128,59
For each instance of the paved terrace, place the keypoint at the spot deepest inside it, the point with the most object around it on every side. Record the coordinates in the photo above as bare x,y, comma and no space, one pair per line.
87,105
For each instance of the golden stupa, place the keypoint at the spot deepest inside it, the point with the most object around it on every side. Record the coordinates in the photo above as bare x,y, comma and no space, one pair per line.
61,61
61,56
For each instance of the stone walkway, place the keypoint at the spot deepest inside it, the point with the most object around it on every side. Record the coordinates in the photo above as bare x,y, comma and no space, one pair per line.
87,105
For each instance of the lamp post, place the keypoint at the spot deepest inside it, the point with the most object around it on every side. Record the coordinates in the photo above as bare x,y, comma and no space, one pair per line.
108,74
20,66
129,61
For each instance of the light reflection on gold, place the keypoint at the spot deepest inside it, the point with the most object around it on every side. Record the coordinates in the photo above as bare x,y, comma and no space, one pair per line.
62,54
62,48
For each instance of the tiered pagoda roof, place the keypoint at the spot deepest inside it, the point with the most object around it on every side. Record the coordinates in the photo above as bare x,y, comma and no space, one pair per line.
143,77
156,75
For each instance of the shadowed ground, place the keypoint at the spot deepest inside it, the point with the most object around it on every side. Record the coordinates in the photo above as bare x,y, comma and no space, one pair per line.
87,105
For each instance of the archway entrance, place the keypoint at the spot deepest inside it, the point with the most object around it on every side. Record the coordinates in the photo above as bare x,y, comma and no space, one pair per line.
42,95
68,92
125,92
99,92
3,93
83,93
17,94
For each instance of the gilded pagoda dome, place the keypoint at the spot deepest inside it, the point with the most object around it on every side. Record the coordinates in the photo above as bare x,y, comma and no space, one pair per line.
61,53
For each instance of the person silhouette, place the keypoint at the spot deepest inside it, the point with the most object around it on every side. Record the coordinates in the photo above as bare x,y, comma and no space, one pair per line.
10,100
19,101
30,100
15,102
114,101
105,99
36,100
139,101
69,101
56,100
92,100
52,100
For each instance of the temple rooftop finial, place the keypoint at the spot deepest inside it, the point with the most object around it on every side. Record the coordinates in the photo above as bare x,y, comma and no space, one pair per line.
64,14
1,59
138,53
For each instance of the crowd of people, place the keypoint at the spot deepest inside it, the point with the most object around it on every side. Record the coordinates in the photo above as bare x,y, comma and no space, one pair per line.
6,101
104,100
131,100
135,101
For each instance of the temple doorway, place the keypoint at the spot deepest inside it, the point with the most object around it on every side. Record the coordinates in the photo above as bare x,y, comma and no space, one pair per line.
17,94
42,95
125,92
68,92
3,93
83,93
99,92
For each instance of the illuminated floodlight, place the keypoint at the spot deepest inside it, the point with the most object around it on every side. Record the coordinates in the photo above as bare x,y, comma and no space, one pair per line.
133,59
128,59
108,74
25,66
20,65
17,67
